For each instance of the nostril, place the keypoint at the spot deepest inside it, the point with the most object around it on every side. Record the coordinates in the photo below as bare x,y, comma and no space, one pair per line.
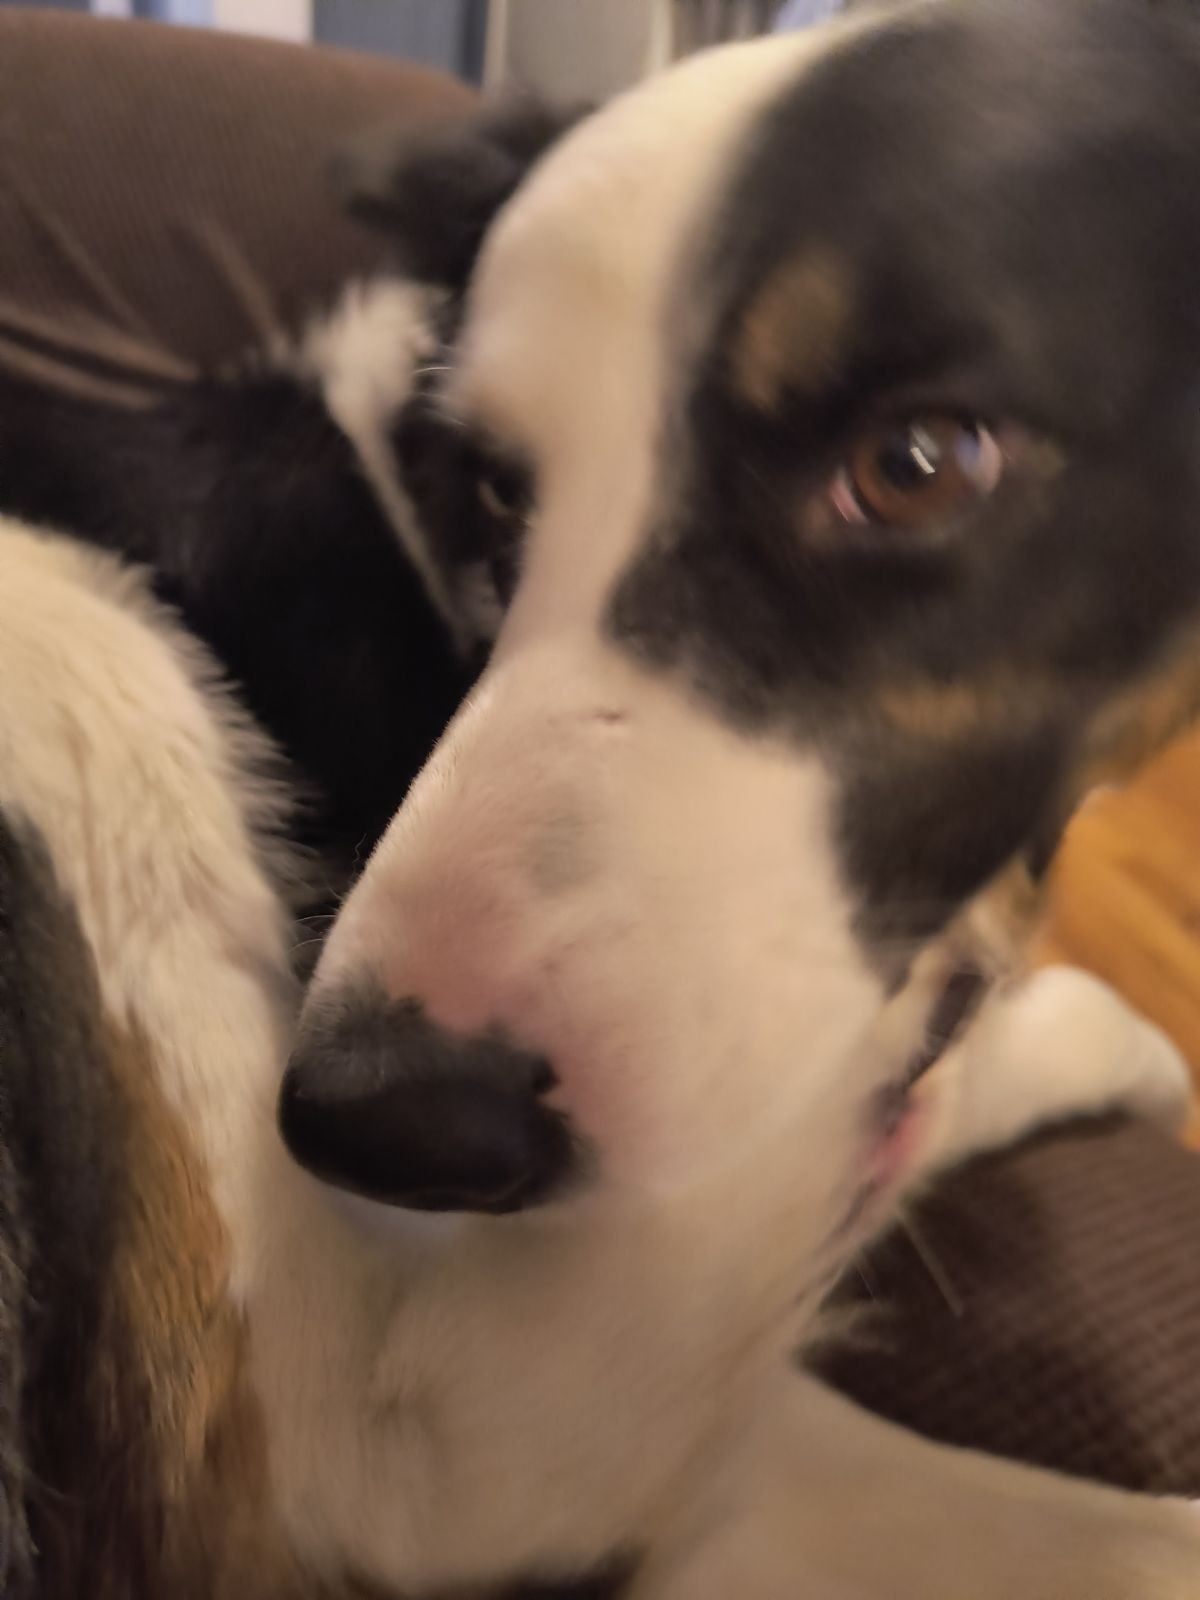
380,1100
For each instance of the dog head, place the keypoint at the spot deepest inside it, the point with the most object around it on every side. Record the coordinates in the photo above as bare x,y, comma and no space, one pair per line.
844,391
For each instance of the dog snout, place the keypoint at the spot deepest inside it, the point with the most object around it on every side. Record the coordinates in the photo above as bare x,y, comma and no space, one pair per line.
382,1101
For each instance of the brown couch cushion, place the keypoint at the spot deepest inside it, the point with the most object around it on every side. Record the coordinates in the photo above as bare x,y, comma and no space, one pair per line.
1045,1305
162,190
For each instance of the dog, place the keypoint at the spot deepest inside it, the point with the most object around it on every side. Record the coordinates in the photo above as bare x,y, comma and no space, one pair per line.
311,514
845,389
628,1020
271,507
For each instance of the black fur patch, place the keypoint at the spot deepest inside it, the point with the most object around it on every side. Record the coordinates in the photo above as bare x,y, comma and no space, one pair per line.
435,186
1005,192
471,500
250,506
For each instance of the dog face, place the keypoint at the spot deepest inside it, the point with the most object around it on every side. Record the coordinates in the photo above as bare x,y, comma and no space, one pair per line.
843,388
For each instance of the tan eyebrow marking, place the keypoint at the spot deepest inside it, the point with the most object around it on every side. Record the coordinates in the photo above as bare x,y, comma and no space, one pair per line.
793,334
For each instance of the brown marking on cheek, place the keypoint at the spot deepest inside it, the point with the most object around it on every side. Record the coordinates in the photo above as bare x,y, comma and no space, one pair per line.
940,713
937,711
793,334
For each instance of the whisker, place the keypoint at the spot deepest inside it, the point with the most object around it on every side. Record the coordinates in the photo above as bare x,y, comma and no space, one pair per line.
867,1279
928,1259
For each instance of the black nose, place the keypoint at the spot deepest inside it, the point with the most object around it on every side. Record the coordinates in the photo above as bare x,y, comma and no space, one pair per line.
382,1101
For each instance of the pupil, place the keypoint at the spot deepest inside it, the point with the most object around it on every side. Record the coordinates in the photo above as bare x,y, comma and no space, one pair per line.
910,460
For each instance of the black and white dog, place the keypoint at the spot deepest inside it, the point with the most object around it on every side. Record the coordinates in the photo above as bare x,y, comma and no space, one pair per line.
833,403
272,508
317,520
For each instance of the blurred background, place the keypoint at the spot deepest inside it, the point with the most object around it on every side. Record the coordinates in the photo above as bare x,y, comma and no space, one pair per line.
573,47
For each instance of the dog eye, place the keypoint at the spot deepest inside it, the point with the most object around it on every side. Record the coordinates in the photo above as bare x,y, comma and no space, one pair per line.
502,493
921,470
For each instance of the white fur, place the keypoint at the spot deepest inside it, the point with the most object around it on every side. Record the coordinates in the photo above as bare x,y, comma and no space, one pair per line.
543,876
140,779
365,355
825,1502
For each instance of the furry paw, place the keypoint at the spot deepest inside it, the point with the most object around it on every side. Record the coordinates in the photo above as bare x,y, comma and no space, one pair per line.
1063,1045
1110,1054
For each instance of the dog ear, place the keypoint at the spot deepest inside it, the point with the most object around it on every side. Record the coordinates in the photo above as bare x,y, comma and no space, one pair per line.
434,187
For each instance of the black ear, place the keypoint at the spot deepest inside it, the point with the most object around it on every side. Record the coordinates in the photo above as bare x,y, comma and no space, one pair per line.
434,187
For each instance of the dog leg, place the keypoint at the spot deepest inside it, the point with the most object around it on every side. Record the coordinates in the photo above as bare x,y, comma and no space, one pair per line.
1063,1044
822,1501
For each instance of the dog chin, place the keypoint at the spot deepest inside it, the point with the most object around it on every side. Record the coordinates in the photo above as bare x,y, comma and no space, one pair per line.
397,1227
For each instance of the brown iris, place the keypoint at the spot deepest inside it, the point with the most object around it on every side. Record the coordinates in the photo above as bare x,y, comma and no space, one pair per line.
918,471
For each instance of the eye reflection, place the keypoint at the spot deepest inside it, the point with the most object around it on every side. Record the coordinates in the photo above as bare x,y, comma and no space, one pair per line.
917,471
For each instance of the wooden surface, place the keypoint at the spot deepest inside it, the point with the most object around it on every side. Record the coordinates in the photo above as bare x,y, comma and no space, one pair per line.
1126,896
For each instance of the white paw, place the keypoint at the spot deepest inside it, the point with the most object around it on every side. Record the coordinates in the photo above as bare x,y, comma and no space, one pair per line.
1162,1089
1063,1045
1109,1056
